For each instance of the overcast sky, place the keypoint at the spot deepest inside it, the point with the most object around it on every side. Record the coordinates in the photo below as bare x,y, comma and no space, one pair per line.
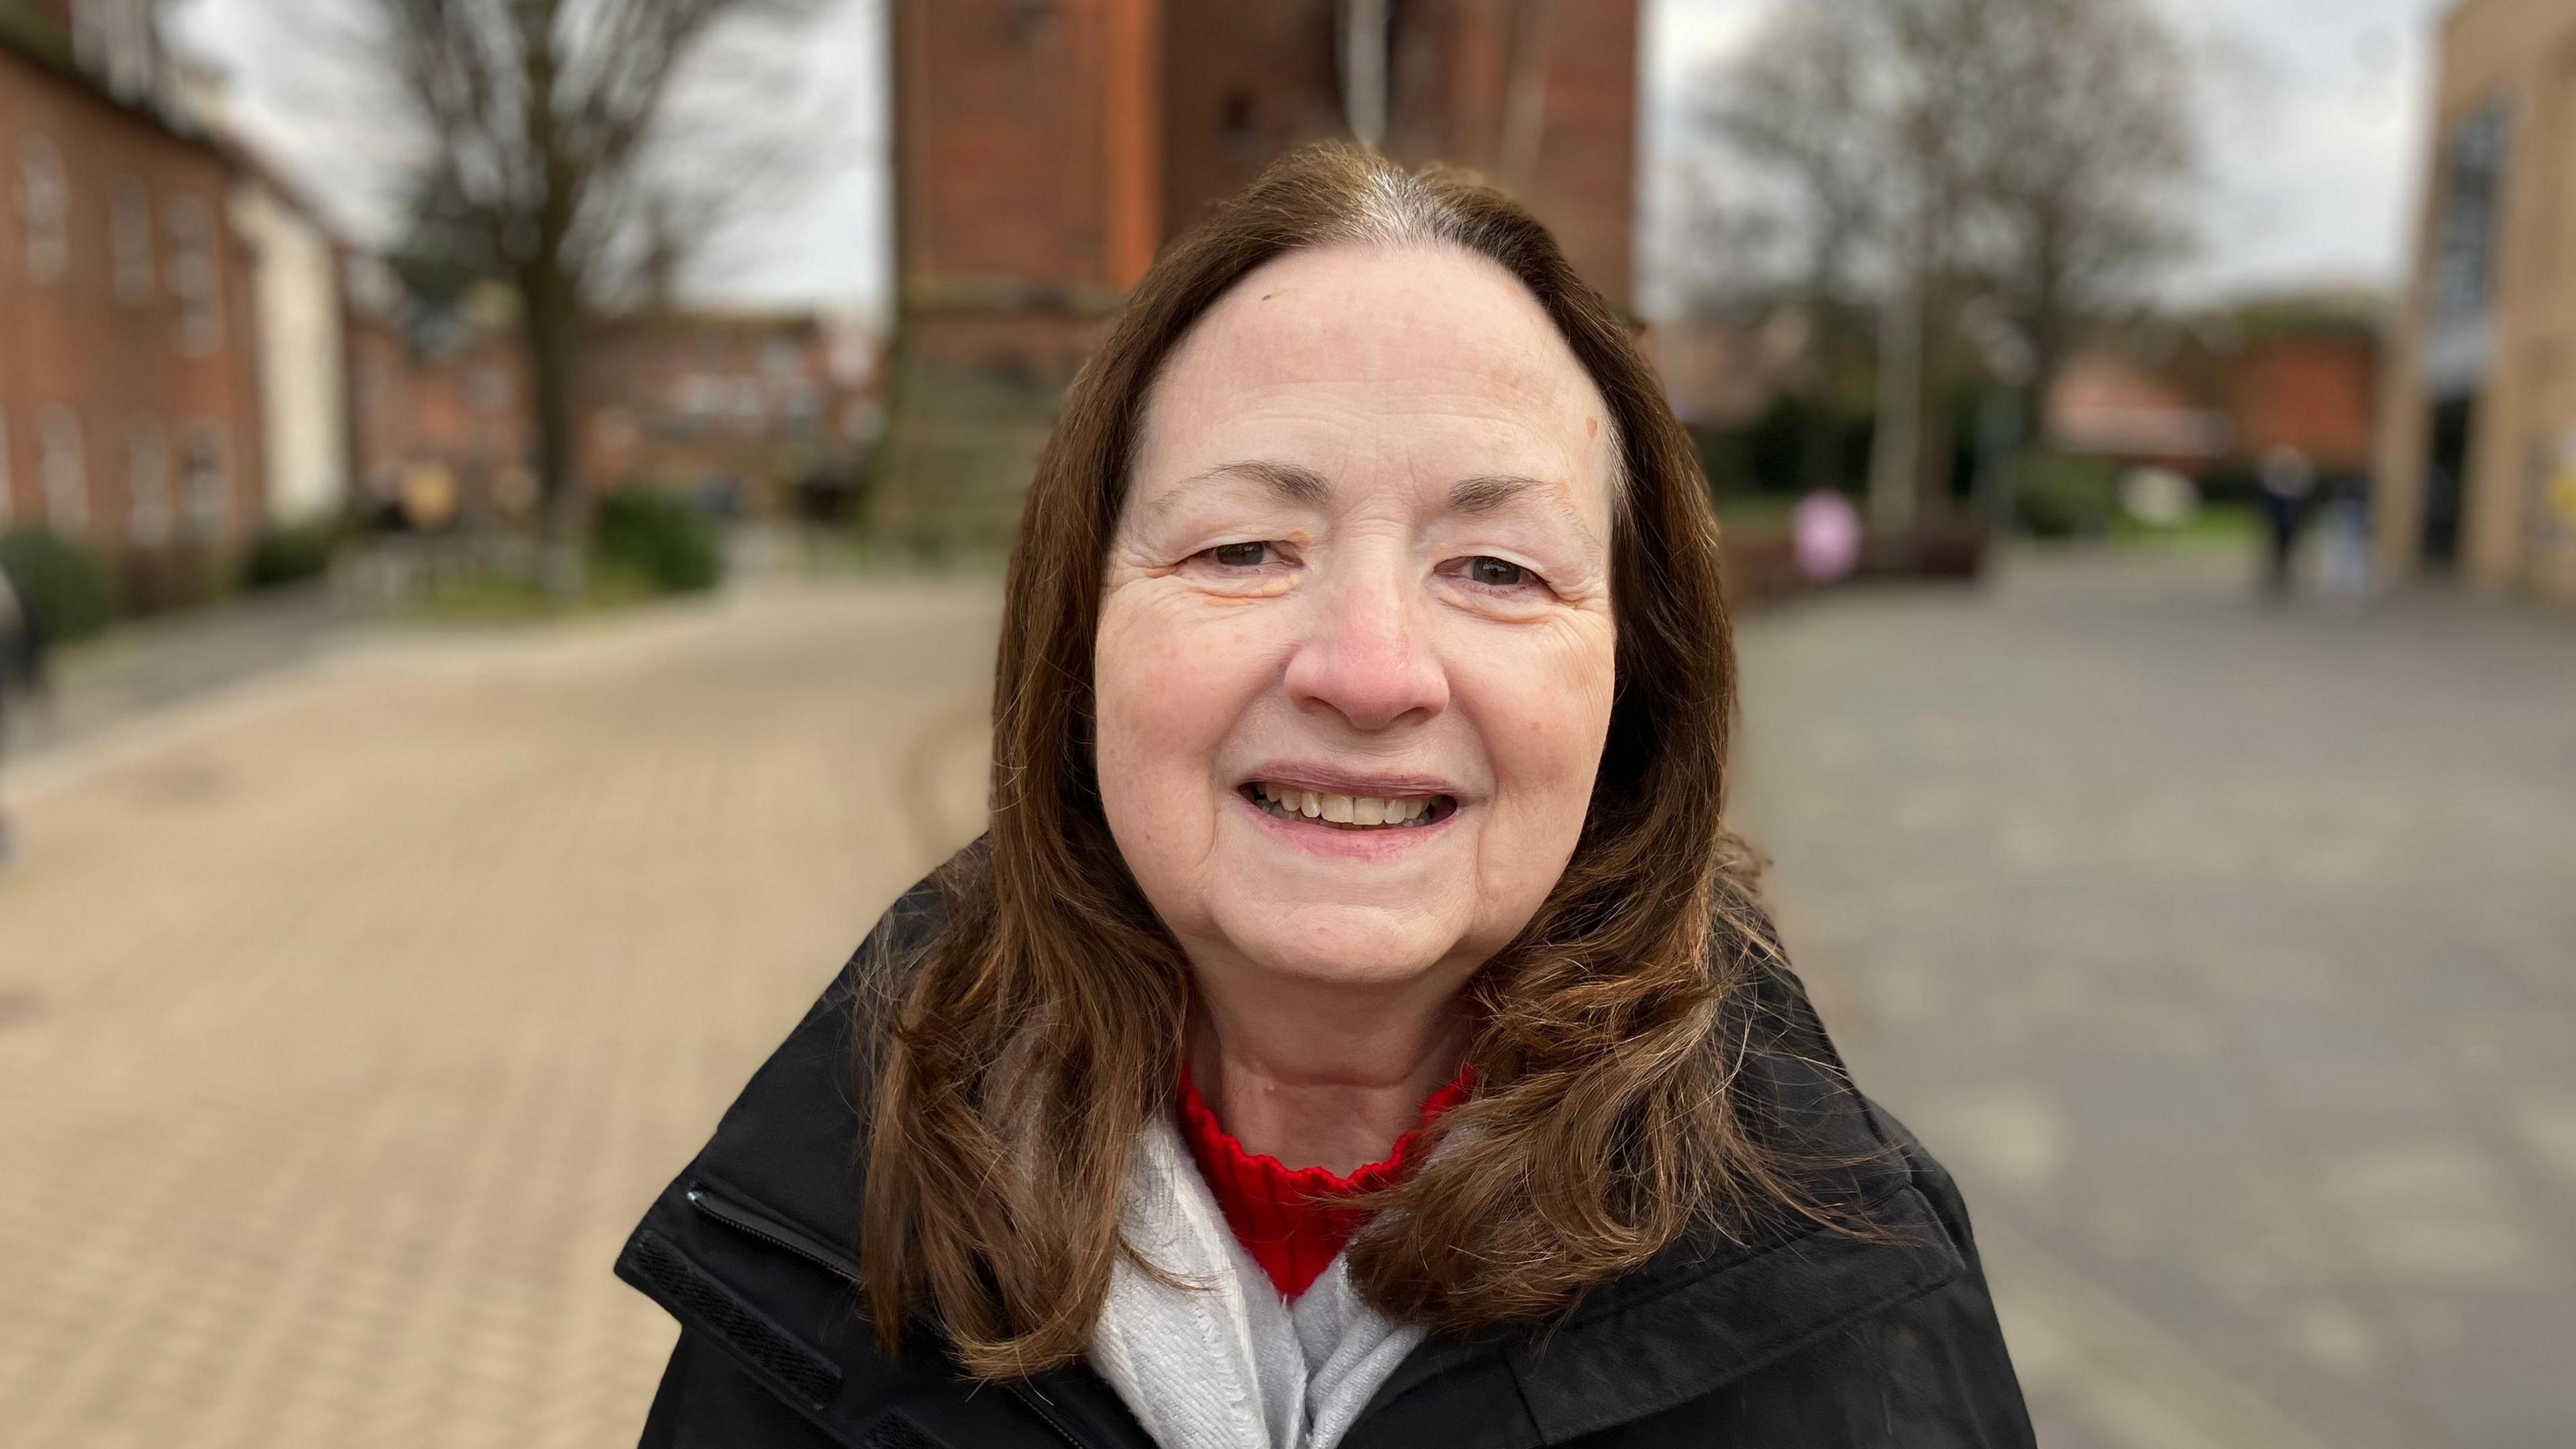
2313,110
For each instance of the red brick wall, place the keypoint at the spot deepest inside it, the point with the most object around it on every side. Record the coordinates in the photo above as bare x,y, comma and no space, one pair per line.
1017,128
1242,84
1586,186
118,365
2316,394
1000,144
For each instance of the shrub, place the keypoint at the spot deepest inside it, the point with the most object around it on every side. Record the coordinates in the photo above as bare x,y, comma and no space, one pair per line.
659,539
2060,497
64,587
288,555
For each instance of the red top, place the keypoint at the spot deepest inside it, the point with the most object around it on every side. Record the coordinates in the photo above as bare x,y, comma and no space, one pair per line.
1291,1220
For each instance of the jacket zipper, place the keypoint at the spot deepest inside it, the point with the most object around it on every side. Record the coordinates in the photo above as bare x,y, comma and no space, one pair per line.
778,1235
759,1225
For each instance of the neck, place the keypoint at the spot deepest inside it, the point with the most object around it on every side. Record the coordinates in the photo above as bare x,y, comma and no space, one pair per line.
1323,1077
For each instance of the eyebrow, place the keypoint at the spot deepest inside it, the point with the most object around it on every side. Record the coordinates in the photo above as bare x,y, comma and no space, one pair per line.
1492,491
1287,480
1485,493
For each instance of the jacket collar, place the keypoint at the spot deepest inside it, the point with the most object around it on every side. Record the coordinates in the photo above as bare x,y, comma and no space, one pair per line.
784,1169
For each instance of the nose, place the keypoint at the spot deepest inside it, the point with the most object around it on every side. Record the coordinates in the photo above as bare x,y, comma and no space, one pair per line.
1367,655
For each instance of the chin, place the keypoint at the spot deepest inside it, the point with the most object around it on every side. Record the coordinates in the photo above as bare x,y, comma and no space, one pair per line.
1344,946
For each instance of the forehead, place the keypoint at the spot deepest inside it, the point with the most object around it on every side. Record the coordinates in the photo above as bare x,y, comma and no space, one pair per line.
1367,363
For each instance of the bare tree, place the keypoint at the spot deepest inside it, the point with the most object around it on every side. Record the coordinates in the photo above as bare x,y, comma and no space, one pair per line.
2088,171
547,160
1798,103
1941,152
1802,105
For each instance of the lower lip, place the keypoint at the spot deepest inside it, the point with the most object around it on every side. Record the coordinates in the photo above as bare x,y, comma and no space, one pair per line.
1318,838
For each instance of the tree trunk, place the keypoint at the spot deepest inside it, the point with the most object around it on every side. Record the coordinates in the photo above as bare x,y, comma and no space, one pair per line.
2045,327
1896,444
550,326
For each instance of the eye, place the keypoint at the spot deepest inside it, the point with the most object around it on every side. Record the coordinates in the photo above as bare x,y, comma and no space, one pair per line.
1496,573
1240,555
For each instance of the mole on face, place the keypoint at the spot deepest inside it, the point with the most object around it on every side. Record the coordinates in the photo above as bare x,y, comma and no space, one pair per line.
1591,427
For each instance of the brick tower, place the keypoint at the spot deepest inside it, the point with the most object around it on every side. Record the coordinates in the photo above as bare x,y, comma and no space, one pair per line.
1045,149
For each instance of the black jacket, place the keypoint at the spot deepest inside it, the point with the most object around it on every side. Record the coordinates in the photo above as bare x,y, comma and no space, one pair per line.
1797,1339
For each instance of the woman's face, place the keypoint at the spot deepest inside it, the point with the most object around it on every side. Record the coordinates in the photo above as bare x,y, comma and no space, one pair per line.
1354,666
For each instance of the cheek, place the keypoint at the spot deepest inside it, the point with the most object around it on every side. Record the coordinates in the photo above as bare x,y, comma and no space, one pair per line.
1548,711
1171,687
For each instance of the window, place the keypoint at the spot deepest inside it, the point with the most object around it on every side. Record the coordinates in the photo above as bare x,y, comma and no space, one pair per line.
192,275
44,208
147,484
58,467
209,492
129,242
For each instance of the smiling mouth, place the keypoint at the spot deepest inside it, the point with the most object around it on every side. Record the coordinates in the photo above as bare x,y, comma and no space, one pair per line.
1349,812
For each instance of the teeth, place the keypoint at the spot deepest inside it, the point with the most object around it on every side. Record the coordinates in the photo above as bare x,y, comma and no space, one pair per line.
1360,811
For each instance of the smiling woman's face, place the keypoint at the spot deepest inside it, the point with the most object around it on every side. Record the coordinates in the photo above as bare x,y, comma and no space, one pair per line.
1355,659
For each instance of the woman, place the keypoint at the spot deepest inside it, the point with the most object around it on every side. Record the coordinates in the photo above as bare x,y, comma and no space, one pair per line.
1357,1027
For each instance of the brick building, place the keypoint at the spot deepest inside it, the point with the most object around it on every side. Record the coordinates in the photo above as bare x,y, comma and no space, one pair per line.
2478,459
750,402
1045,149
2311,386
759,401
128,375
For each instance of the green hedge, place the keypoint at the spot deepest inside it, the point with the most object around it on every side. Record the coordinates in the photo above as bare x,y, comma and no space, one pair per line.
2059,497
660,539
63,585
289,555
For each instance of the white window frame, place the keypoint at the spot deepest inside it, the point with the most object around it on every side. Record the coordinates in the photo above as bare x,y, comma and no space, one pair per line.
205,480
63,471
129,241
44,208
193,278
147,483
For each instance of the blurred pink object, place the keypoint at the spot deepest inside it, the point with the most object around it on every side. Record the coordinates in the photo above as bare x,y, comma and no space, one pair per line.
1824,531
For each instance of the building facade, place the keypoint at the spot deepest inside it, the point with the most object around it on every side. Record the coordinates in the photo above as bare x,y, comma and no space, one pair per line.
1046,149
303,342
743,404
2477,465
129,407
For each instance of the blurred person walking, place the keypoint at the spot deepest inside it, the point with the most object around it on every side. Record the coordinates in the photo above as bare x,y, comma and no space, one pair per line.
2284,480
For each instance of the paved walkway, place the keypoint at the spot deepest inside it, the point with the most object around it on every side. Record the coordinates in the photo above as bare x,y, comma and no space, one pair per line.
2229,956
346,1027
347,1021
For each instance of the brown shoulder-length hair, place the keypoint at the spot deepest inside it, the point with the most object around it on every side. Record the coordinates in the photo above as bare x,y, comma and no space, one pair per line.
1032,1041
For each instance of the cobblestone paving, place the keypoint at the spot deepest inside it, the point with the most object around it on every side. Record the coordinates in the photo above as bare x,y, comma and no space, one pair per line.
344,1032
2229,957
346,1023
